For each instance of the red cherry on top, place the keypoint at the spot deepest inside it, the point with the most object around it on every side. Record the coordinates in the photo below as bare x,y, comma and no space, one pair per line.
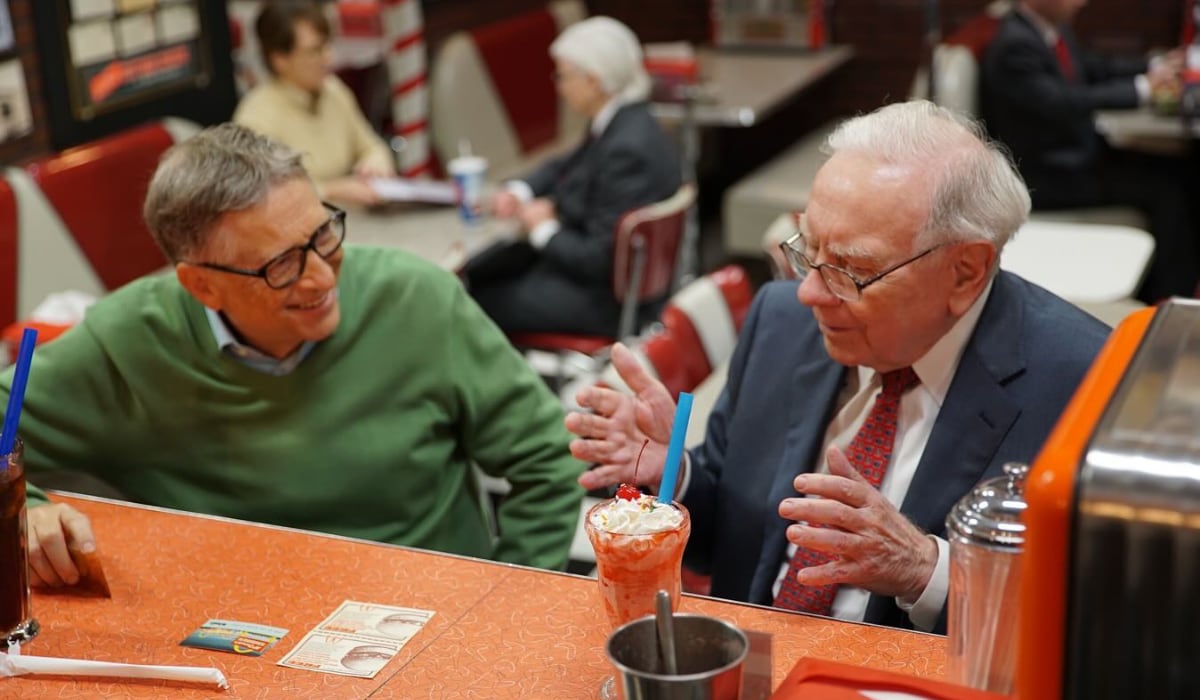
628,492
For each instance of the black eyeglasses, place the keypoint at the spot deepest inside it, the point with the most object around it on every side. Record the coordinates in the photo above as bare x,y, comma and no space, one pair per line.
843,283
287,267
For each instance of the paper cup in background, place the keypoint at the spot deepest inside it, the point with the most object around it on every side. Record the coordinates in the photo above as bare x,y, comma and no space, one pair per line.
468,173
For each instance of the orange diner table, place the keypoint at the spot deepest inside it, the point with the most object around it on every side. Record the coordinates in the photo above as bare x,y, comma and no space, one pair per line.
500,631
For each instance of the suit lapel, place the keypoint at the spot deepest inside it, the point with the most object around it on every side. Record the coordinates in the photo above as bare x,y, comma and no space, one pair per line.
814,391
975,416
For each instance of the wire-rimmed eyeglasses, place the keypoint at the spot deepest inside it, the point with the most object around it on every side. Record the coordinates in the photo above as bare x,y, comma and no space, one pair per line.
287,267
844,284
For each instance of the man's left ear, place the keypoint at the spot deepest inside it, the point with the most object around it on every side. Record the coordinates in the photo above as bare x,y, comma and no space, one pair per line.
972,269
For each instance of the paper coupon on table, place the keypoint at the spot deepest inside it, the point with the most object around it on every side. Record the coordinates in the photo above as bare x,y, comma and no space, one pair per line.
357,639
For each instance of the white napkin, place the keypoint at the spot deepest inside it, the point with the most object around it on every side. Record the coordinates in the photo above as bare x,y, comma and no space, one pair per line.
19,665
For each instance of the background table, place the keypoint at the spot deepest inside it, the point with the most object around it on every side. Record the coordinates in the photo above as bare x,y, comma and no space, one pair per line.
435,233
1126,124
738,88
500,631
743,87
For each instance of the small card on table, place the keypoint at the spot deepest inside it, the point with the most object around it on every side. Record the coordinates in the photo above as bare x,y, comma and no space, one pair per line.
245,638
357,639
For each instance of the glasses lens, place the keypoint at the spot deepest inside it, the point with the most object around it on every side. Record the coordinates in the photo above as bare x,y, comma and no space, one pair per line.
329,238
284,270
840,284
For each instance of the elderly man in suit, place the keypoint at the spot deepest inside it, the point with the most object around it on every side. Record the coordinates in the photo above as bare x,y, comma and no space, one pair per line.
558,278
852,421
1038,95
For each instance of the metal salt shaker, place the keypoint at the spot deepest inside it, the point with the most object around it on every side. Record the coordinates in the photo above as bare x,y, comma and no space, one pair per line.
986,537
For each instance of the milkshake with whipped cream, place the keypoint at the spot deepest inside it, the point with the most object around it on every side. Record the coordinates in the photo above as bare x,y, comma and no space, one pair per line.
639,546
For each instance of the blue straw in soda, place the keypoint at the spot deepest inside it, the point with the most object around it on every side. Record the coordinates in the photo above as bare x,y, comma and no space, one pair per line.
683,412
16,396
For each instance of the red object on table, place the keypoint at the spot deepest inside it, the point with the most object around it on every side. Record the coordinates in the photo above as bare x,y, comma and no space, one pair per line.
828,680
11,335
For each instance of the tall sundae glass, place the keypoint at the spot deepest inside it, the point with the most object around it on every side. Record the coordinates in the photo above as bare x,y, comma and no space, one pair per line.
639,545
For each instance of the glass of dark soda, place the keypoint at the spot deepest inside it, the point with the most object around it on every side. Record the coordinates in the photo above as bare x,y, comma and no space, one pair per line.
16,616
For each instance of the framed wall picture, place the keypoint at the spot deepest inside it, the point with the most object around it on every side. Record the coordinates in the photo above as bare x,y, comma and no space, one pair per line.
16,119
127,52
7,38
108,63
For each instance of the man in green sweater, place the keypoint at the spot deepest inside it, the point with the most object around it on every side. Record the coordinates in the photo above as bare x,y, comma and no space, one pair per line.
280,377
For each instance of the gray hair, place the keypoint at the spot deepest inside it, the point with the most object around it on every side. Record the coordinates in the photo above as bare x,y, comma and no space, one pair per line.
223,168
977,192
610,51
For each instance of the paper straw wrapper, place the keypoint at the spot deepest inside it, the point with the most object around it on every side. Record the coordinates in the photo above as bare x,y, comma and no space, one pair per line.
13,665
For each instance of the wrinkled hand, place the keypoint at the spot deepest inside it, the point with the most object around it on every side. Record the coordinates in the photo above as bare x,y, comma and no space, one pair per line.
505,204
52,529
613,434
876,548
537,211
351,190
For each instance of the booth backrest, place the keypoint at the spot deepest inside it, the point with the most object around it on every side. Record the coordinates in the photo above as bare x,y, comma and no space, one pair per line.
97,189
492,88
73,220
956,60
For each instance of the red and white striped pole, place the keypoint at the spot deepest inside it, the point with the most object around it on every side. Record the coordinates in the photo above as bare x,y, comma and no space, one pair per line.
404,32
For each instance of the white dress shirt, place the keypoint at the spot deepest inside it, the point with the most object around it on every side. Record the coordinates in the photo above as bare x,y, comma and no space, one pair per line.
918,412
543,232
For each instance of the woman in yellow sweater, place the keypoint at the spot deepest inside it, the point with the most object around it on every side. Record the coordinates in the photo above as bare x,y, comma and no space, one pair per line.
306,107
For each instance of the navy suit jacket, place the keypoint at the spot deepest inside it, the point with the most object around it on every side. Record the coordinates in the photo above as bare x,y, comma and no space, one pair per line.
1021,365
1047,121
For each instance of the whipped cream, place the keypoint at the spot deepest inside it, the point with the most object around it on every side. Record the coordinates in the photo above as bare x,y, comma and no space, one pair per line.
641,517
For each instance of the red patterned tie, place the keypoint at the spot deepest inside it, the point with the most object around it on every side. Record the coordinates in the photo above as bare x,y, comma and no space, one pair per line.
870,452
1063,54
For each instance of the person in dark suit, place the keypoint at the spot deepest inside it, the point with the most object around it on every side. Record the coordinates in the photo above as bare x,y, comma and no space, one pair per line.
1038,95
558,277
905,226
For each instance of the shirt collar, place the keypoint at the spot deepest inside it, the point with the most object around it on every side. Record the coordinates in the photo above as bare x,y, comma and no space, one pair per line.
937,366
605,116
228,344
1048,31
300,97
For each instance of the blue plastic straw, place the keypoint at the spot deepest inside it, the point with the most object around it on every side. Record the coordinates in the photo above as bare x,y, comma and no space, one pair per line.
16,396
683,412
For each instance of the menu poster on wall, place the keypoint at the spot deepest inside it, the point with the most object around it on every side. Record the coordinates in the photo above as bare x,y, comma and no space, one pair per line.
15,117
127,51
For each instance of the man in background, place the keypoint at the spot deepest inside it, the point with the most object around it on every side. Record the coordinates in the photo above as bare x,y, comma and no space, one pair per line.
1039,92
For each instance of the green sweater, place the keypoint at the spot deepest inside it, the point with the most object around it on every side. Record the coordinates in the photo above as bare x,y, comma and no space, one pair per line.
372,436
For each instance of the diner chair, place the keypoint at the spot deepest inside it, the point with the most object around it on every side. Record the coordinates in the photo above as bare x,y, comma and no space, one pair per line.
645,249
696,335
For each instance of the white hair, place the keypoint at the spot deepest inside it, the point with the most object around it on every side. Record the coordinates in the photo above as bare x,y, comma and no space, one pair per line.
608,50
977,193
